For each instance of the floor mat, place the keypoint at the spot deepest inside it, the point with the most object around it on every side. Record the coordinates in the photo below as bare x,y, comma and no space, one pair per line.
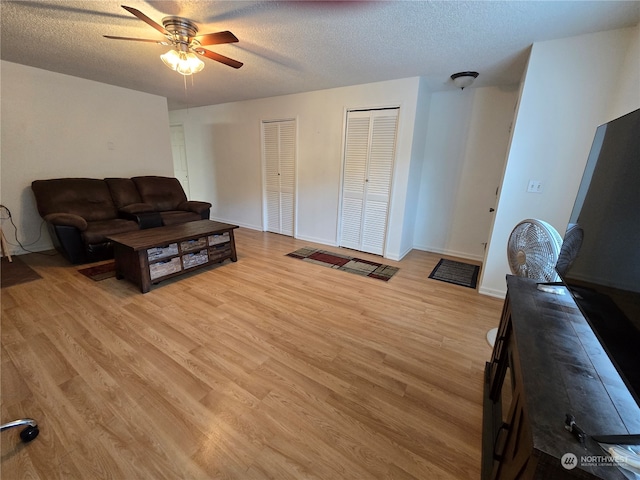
343,262
16,272
99,272
458,273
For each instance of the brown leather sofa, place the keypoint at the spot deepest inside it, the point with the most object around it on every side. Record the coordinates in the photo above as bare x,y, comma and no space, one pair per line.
82,212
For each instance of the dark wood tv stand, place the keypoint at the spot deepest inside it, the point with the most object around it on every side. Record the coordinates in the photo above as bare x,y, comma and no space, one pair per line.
155,254
547,363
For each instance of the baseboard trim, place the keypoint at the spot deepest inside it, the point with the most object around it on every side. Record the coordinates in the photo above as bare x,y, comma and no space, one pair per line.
450,253
320,241
397,258
233,222
492,292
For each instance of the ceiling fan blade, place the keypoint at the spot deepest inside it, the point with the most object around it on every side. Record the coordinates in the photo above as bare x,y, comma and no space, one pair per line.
159,42
219,58
146,19
216,38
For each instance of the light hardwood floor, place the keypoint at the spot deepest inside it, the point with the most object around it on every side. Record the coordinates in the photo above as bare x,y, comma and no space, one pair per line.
268,368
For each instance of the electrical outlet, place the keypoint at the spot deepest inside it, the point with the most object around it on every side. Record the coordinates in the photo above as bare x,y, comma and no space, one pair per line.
534,186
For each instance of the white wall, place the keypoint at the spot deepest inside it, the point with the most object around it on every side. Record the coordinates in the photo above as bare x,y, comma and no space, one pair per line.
451,153
465,151
627,93
571,86
421,126
56,126
223,147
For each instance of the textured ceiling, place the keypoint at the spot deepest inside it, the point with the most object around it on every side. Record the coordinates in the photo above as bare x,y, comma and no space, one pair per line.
291,47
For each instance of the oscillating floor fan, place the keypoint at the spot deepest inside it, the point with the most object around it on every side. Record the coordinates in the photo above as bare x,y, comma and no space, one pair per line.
571,245
532,251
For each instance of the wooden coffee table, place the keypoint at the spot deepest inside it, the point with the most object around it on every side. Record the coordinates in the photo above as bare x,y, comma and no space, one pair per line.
155,254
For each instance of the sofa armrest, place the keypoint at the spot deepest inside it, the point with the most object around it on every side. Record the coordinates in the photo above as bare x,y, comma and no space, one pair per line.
194,206
66,219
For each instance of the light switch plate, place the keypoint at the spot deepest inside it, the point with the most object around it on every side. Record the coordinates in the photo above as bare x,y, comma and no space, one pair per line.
534,186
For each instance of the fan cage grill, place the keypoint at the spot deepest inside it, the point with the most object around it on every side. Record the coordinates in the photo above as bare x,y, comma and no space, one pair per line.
533,250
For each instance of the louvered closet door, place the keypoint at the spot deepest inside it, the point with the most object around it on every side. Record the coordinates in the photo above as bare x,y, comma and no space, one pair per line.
279,150
368,168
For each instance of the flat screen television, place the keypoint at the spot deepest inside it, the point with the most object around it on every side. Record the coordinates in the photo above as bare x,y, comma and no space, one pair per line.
604,277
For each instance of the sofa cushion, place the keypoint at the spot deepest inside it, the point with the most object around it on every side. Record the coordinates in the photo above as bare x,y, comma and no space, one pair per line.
97,232
123,191
88,198
163,193
136,208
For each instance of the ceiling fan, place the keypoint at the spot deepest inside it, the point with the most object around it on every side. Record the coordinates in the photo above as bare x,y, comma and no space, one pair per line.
182,35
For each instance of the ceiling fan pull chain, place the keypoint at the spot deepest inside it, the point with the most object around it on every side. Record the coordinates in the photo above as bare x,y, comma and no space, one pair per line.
186,96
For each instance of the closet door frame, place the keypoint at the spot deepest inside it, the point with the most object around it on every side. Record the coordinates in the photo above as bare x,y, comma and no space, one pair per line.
265,207
346,111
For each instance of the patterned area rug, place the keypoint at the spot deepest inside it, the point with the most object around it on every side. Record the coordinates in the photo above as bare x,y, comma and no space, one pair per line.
16,272
458,273
99,272
343,262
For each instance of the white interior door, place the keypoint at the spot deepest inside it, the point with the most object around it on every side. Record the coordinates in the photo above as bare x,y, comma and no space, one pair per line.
368,170
279,152
356,155
179,151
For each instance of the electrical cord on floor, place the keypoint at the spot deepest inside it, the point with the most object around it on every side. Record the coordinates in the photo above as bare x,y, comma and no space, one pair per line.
15,228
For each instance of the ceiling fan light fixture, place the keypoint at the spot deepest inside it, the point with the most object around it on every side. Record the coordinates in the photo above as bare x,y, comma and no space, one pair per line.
191,65
185,63
171,59
463,79
182,34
